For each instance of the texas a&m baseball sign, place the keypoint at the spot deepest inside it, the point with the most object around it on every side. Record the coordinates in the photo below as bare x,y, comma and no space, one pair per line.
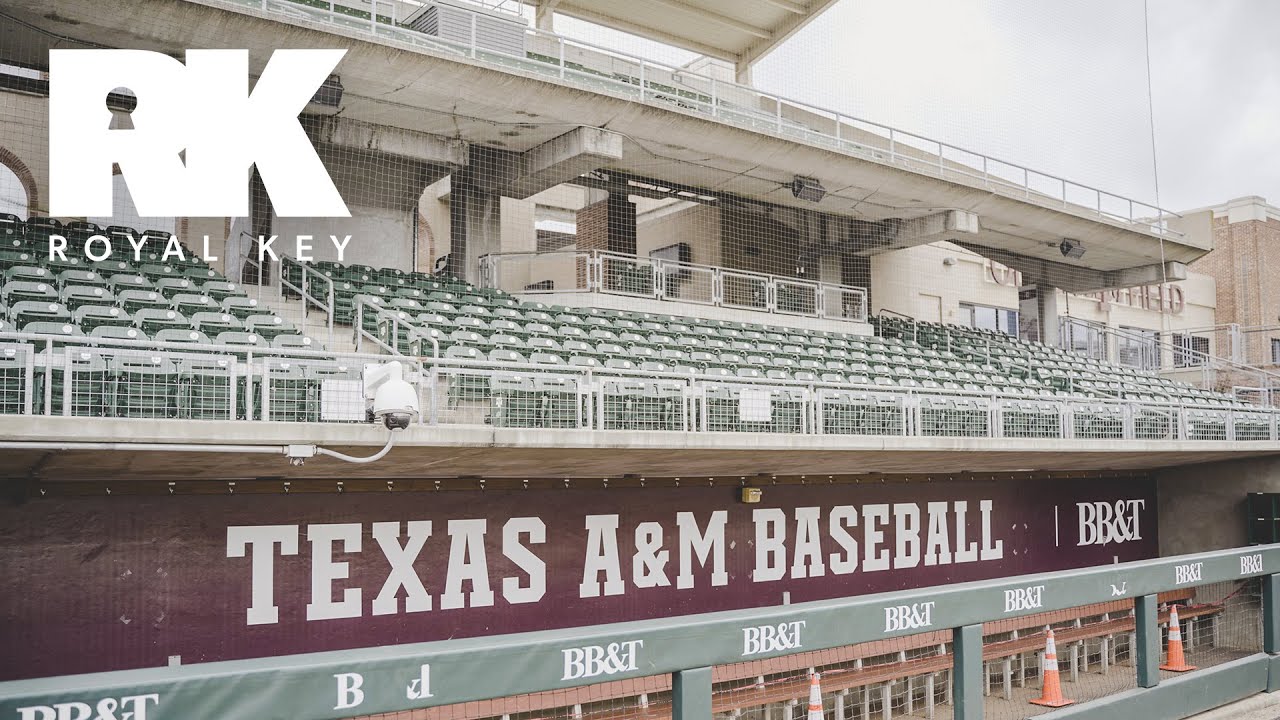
205,578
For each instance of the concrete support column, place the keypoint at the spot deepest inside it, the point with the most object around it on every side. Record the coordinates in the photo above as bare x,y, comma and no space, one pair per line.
967,649
1271,614
1147,649
1047,303
691,694
475,226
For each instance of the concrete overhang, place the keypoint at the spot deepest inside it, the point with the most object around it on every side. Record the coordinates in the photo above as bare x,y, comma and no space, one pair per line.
512,109
1075,278
737,31
485,452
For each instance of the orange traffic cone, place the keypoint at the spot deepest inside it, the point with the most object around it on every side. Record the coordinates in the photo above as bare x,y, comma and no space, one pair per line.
1177,662
815,698
1051,694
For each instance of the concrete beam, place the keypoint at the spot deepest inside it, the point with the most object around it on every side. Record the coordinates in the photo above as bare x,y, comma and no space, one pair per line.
380,166
1145,275
1076,279
410,144
896,234
562,159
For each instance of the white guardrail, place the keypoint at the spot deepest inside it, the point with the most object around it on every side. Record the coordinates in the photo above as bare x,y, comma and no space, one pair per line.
599,69
596,271
100,377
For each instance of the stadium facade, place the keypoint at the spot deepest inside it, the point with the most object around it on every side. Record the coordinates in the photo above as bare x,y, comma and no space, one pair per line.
713,393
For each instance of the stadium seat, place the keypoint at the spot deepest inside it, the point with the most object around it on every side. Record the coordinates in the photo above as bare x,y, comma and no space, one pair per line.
75,296
13,371
29,311
239,306
177,335
113,332
133,299
190,303
91,317
213,323
145,387
205,389
151,320
268,326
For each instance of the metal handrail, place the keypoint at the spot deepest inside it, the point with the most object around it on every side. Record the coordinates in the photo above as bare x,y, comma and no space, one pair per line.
489,274
1214,361
307,271
718,89
910,401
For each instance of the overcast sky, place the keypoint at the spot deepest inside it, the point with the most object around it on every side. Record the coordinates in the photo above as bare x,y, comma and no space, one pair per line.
1059,87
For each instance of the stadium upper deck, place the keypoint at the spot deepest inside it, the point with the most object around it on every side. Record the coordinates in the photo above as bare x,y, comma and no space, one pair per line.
552,384
510,108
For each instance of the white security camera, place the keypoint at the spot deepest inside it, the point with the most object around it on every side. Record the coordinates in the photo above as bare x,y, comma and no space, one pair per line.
392,400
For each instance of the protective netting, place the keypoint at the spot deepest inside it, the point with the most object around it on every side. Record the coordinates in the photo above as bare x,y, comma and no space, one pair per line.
637,698
1218,622
505,225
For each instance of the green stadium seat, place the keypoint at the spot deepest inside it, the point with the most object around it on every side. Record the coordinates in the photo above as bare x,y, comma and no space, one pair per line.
113,332
238,305
202,275
221,290
268,326
22,290
205,390
28,273
181,335
561,403
145,386
514,401
15,360
9,257
29,311
173,286
91,317
133,299
83,278
191,303
151,320
76,296
128,281
92,391
155,271
215,323
291,395
240,339
294,341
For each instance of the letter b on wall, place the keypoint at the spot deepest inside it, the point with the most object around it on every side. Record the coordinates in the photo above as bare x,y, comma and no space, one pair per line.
203,109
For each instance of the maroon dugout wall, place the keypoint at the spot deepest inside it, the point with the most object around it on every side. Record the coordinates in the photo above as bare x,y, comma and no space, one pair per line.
105,583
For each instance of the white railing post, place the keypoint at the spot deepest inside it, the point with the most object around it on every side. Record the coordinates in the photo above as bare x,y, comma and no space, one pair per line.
473,34
561,44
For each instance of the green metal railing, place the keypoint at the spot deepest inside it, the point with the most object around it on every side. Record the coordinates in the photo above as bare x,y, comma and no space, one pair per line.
332,685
